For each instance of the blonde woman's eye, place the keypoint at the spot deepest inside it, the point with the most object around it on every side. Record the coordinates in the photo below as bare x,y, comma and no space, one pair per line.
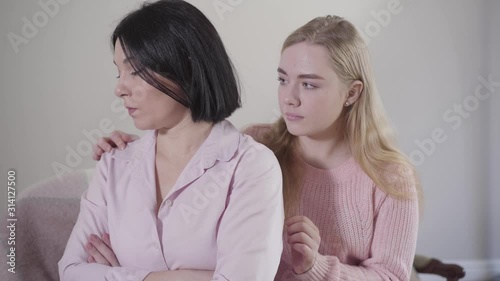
308,85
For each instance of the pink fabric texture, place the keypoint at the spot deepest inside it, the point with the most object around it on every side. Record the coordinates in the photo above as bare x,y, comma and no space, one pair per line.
225,213
366,235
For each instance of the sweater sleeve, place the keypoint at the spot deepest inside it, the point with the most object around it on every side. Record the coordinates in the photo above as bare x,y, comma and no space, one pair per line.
392,248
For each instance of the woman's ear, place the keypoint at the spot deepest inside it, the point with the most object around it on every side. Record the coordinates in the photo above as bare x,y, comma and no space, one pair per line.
355,90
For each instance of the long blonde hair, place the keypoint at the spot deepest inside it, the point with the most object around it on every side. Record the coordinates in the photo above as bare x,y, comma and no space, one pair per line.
366,127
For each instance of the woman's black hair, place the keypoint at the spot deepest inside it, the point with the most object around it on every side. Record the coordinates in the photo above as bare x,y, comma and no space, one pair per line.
175,40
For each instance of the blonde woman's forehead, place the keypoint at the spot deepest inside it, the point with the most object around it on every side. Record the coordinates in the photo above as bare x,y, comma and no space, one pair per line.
306,59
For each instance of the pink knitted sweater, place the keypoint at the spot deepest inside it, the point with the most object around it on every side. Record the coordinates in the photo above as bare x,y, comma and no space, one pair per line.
365,234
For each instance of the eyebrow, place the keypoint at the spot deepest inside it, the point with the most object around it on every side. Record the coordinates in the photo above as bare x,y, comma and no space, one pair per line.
125,61
303,76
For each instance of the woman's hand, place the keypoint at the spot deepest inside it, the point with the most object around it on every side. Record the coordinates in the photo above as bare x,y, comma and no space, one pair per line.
100,251
304,239
116,139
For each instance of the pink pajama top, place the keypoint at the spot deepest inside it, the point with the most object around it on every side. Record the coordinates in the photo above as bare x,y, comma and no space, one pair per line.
224,213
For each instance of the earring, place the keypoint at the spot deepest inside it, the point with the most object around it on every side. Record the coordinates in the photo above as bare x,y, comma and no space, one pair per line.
346,103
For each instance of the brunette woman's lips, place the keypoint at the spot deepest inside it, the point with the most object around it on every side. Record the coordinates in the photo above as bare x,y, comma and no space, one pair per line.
131,110
293,117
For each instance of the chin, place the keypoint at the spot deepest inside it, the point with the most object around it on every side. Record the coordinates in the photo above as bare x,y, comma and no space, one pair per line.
142,126
296,130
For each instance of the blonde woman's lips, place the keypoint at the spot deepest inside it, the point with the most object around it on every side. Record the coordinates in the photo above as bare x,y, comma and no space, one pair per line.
293,117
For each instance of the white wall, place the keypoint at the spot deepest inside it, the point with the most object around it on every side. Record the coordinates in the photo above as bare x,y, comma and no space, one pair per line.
494,128
427,58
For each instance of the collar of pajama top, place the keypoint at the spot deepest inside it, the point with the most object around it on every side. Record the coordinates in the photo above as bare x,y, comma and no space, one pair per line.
181,207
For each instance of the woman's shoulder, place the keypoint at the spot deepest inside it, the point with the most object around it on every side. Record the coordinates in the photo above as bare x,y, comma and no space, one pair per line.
257,131
400,183
134,150
395,180
252,148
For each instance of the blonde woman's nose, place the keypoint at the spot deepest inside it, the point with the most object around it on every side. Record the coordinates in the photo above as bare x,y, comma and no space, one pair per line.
291,98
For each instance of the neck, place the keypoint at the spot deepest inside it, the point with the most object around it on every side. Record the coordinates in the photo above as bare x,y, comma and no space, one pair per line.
325,150
183,140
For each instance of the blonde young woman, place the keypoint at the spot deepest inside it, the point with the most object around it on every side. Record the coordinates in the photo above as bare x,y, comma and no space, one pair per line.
351,197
